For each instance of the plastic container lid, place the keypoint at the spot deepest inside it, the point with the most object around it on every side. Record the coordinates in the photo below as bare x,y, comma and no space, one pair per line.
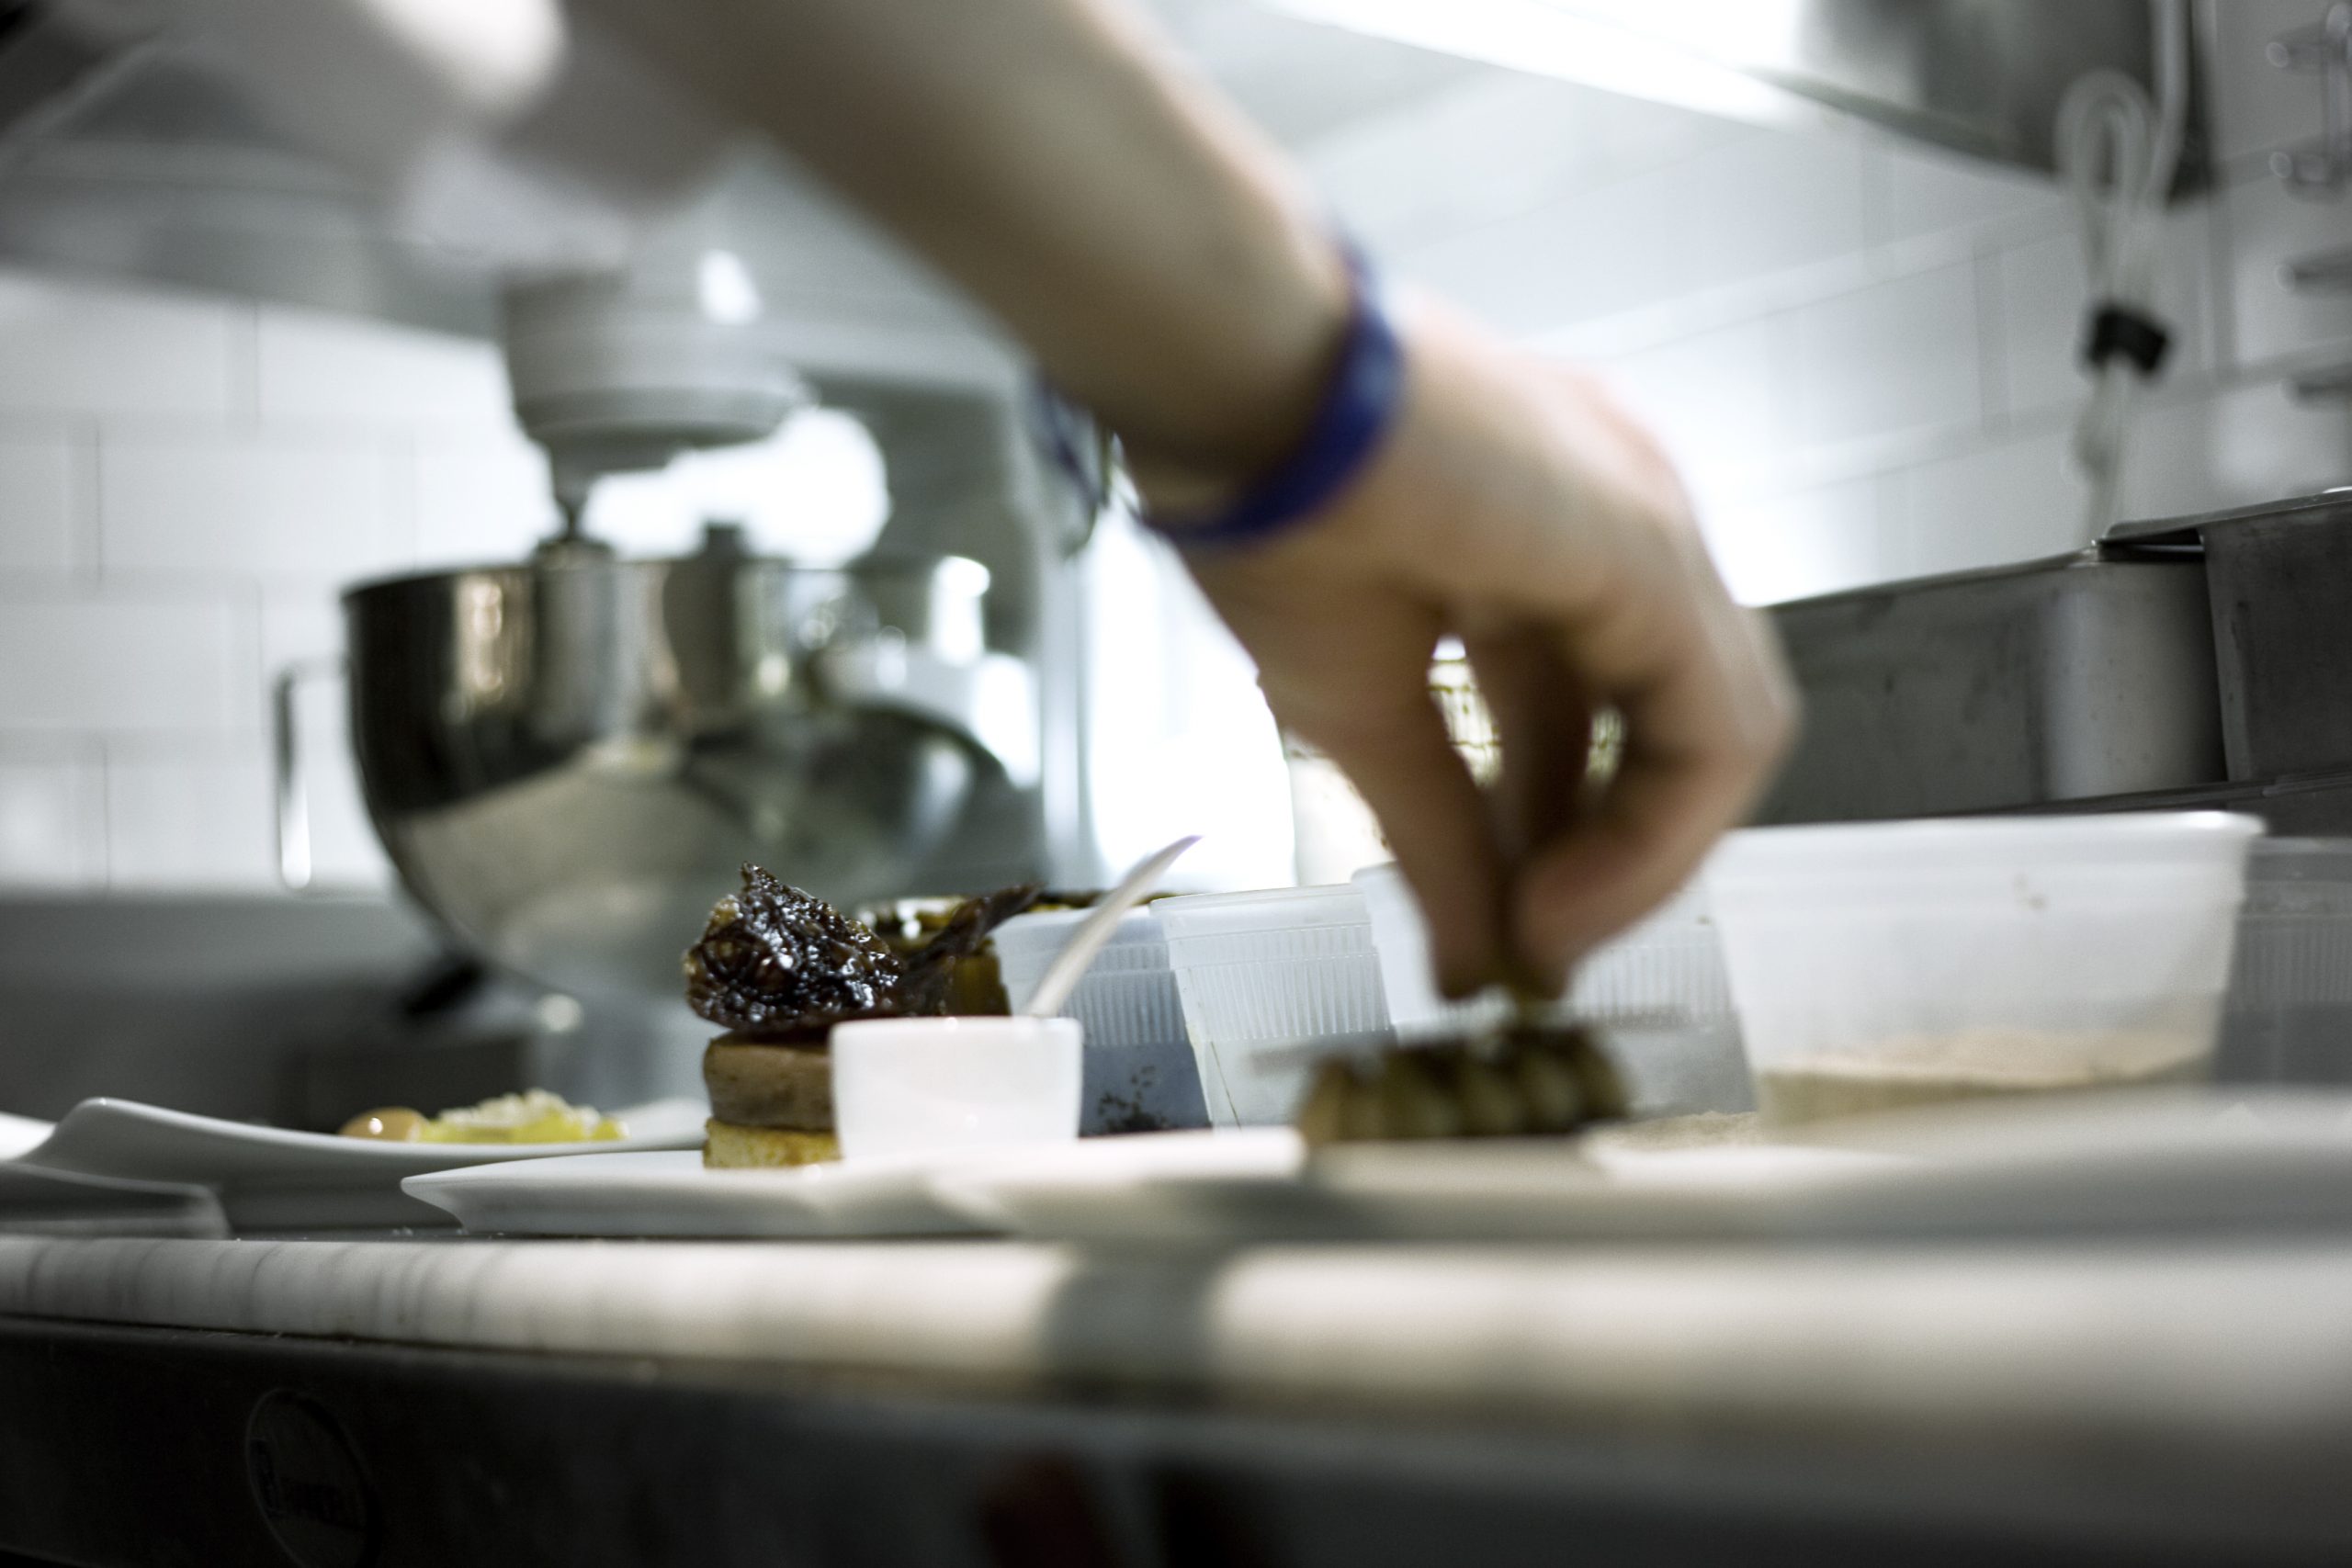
1029,943
1271,909
1975,854
2289,877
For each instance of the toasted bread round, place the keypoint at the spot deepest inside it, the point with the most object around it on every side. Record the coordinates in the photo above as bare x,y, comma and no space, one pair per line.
726,1147
757,1084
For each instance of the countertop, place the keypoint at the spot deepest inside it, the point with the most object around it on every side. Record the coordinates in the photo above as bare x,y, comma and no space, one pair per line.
2133,1396
2227,1343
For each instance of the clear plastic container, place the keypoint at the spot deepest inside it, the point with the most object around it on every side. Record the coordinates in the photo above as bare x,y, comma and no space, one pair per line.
1140,1074
1270,981
1880,965
1659,992
2290,1016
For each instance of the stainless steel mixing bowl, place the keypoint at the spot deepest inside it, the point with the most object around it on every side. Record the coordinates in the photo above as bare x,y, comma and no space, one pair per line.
568,761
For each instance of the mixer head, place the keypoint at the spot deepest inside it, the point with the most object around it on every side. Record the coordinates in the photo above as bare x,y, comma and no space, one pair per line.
610,377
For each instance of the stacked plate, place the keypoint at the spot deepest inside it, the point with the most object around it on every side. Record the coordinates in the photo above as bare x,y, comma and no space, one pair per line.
251,1178
2182,1164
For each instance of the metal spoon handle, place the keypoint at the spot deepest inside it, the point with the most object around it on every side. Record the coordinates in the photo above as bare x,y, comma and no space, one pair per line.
1061,976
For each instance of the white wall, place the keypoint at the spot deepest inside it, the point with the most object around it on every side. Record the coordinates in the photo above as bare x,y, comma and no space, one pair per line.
1861,352
186,486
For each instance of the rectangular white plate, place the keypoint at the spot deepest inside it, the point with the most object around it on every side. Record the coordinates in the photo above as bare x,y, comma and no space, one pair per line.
270,1178
2168,1164
669,1194
59,1202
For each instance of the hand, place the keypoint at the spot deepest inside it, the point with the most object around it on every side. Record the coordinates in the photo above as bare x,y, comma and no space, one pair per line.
1516,507
1167,270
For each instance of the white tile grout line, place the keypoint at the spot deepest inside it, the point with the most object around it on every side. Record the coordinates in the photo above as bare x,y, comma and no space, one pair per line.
1608,171
109,878
1665,321
244,367
99,826
1992,340
87,499
404,501
2220,302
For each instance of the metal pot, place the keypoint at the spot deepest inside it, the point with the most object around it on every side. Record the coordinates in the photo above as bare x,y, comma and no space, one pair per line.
567,761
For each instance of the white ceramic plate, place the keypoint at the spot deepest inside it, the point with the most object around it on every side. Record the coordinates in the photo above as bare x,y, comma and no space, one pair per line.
1093,1186
2178,1165
669,1194
1260,1185
18,1133
62,1202
270,1178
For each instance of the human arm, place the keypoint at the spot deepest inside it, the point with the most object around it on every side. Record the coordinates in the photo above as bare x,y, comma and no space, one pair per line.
1167,270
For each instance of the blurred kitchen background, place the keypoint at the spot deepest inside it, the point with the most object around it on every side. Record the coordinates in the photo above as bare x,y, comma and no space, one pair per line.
1863,350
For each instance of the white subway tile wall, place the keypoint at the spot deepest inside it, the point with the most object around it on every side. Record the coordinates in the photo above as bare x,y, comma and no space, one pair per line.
42,478
193,819
1894,359
242,504
1915,191
1712,398
2009,502
108,662
1861,350
52,824
480,499
1846,535
320,369
91,349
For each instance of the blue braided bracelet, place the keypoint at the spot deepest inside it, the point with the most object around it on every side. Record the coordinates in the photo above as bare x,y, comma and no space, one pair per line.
1366,390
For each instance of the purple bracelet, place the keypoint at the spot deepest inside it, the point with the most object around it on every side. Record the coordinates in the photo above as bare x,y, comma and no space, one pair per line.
1366,390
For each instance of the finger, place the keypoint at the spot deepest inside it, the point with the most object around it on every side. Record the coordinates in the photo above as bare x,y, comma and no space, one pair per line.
1543,726
1699,745
1398,754
1624,861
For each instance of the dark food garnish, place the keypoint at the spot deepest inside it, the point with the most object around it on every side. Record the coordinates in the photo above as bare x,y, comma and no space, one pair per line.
1526,1079
930,968
777,964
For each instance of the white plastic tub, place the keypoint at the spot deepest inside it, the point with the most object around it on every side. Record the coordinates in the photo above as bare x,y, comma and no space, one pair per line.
1268,980
1659,993
921,1085
1140,1074
1878,964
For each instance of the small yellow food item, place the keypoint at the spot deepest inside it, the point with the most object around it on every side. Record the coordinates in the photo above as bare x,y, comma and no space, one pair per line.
393,1125
729,1145
534,1116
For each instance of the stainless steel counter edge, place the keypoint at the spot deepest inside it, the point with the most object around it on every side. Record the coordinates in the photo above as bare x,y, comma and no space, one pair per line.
2230,1346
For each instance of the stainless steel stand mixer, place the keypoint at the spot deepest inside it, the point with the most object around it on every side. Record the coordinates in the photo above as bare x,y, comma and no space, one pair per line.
567,758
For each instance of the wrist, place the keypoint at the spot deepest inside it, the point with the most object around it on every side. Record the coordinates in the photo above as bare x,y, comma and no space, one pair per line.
1237,417
1358,398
